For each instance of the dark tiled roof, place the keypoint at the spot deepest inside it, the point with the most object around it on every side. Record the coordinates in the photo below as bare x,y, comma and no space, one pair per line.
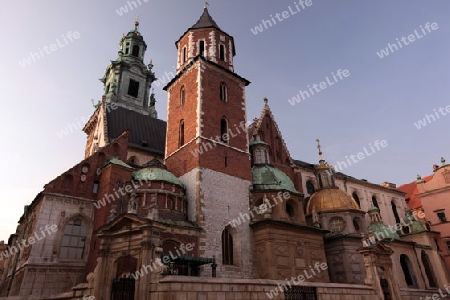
146,133
205,21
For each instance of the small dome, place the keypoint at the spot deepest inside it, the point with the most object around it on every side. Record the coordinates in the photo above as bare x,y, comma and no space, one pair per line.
157,174
269,178
331,199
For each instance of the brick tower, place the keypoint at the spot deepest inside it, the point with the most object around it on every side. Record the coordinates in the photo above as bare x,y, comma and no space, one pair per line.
207,143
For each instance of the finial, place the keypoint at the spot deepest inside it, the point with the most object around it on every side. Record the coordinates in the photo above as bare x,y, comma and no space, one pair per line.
266,101
320,149
443,161
206,5
136,23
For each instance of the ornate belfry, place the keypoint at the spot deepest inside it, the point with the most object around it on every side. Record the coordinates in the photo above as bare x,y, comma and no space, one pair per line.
127,80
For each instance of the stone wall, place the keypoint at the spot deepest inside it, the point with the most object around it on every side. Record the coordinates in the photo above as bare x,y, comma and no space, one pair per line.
200,288
214,200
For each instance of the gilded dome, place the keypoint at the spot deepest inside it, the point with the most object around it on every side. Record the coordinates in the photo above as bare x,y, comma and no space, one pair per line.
329,200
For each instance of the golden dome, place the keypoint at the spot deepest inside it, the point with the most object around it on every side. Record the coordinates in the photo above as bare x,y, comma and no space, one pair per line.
331,199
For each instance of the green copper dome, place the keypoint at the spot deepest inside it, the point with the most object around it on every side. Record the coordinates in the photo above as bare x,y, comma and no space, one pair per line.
254,143
157,174
269,178
383,231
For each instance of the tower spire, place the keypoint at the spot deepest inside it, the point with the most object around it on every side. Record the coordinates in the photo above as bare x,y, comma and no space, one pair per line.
136,23
319,147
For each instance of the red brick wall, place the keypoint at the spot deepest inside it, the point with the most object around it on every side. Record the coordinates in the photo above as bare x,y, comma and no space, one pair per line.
205,35
279,157
213,109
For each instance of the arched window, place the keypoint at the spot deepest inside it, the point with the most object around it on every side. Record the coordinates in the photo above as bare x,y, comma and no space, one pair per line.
355,196
407,269
182,95
290,210
375,202
428,269
181,138
227,247
184,54
68,180
135,51
310,187
258,158
73,240
394,211
223,92
224,130
222,52
356,224
201,48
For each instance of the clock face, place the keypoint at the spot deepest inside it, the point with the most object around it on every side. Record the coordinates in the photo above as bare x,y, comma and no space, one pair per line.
337,224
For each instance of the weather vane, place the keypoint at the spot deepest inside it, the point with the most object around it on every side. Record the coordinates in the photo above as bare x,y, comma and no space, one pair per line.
136,23
320,148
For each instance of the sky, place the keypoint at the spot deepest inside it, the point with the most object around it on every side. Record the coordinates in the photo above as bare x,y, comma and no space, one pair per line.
379,98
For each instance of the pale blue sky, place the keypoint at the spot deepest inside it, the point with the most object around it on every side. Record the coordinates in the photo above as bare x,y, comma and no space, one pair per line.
380,100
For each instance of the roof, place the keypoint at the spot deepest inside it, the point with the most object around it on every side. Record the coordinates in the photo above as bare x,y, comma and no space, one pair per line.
146,132
157,174
266,177
200,57
411,191
114,160
205,21
331,199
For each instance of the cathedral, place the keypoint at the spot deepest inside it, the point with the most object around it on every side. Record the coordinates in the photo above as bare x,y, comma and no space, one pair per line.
210,205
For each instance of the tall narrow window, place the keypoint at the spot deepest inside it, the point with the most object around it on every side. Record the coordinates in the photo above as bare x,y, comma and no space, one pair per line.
135,51
224,130
227,247
184,54
222,52
133,88
223,92
201,48
407,269
182,95
394,211
73,240
127,48
181,140
428,269
95,187
355,196
258,158
375,202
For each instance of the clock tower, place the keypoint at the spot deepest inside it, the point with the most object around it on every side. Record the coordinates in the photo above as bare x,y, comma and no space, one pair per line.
207,144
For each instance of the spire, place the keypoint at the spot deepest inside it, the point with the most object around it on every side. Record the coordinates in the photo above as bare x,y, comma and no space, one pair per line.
324,172
320,149
136,24
205,20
